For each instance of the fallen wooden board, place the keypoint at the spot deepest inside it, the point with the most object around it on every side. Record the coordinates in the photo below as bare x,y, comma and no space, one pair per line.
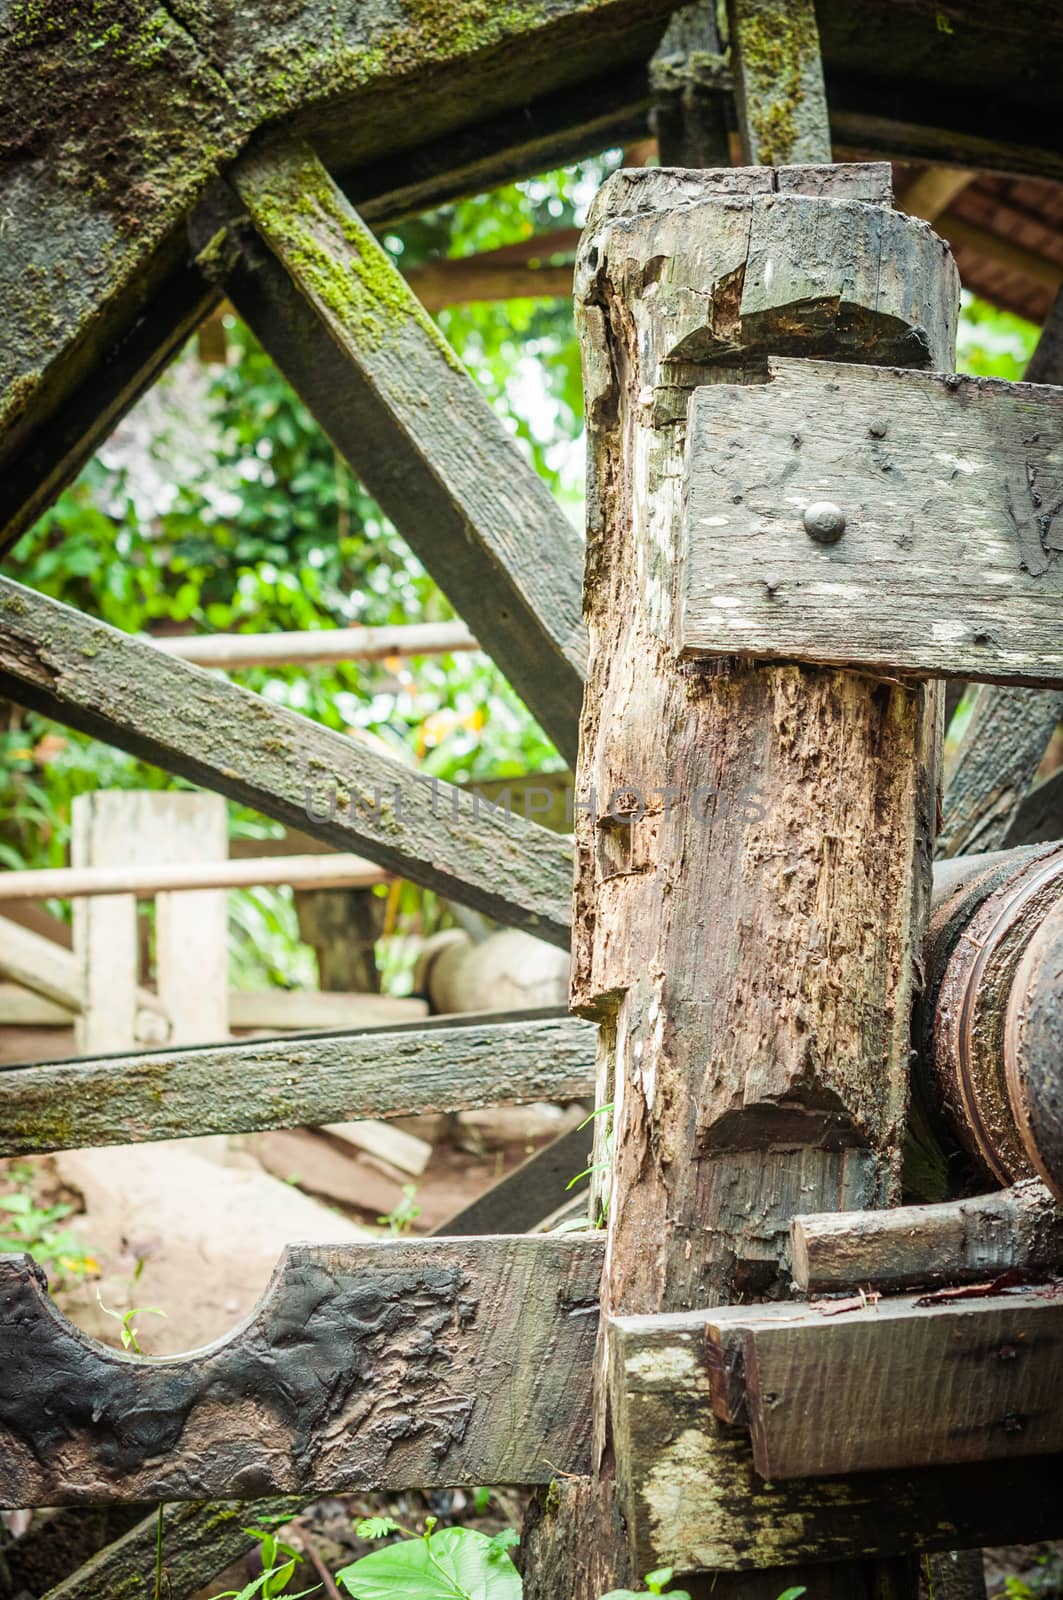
439,1065
531,1192
392,1145
908,1247
692,1498
896,1383
951,489
199,726
385,1366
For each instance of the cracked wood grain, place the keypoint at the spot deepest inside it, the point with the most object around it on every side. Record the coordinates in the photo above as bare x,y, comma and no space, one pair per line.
387,1366
752,884
950,562
196,725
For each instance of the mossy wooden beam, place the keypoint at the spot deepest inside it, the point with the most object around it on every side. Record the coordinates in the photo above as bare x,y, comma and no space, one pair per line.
706,1506
398,1365
778,78
397,1071
341,322
201,727
116,119
198,1542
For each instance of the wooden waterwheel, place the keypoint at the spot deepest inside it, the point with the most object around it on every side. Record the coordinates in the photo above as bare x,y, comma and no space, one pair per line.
743,983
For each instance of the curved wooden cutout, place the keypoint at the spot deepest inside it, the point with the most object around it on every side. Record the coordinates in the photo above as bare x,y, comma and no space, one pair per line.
393,1365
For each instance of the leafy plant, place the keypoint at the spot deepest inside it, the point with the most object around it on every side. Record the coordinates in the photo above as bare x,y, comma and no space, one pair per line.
27,1226
453,1564
279,1562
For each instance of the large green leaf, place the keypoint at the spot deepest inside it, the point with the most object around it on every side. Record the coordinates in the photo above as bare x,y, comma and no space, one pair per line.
454,1564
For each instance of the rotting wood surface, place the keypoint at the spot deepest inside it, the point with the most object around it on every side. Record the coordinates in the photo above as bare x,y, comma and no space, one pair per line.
406,1364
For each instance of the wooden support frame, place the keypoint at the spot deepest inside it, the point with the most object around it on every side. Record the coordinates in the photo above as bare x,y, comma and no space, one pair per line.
393,1365
928,1381
445,1064
198,726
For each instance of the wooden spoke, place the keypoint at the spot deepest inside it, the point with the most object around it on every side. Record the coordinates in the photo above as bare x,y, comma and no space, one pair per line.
429,1362
778,72
1001,749
342,324
197,726
1006,736
390,1071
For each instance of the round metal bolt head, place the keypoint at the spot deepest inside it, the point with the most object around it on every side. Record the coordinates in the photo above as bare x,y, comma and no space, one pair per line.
824,521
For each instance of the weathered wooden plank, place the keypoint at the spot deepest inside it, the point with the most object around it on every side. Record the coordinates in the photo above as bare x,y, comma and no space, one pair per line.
396,1365
1001,749
343,325
912,1247
393,1071
778,77
897,521
1005,738
198,1541
530,1193
1039,815
924,1385
186,720
705,1507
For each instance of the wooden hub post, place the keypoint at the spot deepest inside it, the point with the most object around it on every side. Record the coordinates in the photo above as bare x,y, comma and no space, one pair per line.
753,850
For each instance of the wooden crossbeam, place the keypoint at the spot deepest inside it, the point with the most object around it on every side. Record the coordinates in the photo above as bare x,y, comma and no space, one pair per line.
900,522
344,327
390,1071
384,1366
197,726
693,1499
910,1247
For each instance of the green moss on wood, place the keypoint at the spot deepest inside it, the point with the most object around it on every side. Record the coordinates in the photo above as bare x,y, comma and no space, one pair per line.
775,42
330,252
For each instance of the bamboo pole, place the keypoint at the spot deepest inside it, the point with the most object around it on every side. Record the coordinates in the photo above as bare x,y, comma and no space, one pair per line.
318,646
338,871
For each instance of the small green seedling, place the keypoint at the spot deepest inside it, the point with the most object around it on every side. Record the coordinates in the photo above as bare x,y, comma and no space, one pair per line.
32,1228
404,1214
656,1583
130,1333
453,1564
